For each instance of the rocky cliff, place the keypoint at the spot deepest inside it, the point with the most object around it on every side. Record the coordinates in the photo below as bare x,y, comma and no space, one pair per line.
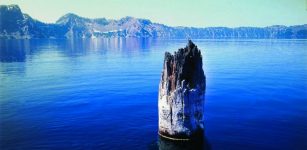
16,25
181,94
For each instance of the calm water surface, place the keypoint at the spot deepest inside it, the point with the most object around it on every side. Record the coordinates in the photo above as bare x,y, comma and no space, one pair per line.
102,93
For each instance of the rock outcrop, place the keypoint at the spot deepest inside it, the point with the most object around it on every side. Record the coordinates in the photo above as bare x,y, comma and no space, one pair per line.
181,94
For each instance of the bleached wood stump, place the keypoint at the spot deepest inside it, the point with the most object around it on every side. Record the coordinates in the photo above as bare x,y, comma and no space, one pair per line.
181,94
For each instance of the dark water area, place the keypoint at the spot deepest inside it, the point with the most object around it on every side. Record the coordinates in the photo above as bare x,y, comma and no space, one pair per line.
103,93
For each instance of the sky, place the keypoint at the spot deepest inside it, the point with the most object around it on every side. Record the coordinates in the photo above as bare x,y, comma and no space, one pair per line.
191,13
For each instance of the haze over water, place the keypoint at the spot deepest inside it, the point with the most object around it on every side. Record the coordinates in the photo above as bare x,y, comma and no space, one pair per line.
103,93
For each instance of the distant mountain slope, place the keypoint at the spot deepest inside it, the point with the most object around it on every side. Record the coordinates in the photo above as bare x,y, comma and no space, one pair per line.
16,25
125,27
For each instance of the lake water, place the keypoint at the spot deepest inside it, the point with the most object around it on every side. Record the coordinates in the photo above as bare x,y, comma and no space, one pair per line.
102,93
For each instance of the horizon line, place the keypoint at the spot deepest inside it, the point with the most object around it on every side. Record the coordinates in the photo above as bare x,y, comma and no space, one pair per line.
178,26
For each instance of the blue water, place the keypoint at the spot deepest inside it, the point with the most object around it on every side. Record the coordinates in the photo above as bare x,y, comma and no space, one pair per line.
102,93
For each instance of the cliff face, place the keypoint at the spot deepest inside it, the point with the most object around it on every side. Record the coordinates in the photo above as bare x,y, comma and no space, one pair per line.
181,93
16,25
10,18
